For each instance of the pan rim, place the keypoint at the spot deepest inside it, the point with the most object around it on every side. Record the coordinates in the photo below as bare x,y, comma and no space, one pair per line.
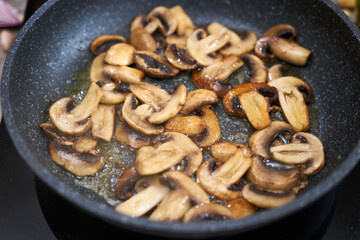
144,225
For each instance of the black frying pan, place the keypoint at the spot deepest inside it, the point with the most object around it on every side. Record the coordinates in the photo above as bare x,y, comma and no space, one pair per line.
54,43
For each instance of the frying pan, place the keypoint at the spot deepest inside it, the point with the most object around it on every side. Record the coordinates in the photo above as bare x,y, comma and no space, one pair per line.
53,44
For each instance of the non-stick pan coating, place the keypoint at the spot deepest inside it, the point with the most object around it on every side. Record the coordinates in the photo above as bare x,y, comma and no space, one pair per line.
54,43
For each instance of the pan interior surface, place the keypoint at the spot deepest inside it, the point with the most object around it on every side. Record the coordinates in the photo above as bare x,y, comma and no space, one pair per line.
53,45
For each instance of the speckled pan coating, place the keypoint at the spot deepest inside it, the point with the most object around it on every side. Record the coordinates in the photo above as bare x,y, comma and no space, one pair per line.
54,43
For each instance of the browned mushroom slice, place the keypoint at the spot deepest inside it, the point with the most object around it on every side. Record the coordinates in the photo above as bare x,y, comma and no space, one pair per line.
103,119
305,148
179,58
266,198
231,103
184,24
213,77
111,93
165,19
120,54
292,94
224,150
198,98
126,135
103,43
279,41
80,164
260,141
54,133
218,181
208,212
185,191
169,149
191,125
151,94
142,40
179,41
141,22
241,208
237,45
271,176
257,70
126,183
154,65
136,116
146,199
200,46
72,119
276,71
84,144
97,70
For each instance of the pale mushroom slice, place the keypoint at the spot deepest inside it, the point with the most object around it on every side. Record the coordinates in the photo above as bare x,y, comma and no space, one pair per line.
293,93
305,149
185,192
240,208
185,25
266,198
154,65
151,94
256,67
208,212
279,41
198,98
218,181
146,199
224,150
84,144
103,120
126,183
72,119
141,22
204,128
126,135
136,116
80,164
200,46
164,18
237,45
168,150
276,71
112,94
214,77
179,58
121,54
102,43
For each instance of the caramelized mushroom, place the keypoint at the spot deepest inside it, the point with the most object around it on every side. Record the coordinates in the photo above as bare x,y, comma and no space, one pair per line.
142,40
164,18
126,183
276,71
54,133
120,54
208,212
141,22
103,119
240,208
103,43
184,24
126,135
179,58
257,70
198,98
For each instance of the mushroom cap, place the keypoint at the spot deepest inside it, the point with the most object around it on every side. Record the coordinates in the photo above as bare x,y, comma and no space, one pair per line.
179,58
102,43
169,149
276,71
207,212
164,18
237,45
126,183
142,40
141,22
198,98
256,67
80,164
120,54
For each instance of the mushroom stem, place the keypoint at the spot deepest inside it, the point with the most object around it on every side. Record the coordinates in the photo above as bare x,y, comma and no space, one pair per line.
290,51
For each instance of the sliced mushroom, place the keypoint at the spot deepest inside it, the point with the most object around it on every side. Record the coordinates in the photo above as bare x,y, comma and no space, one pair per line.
224,150
154,65
240,208
260,141
146,199
103,43
112,94
237,45
276,71
257,70
165,19
198,98
179,58
103,119
293,93
54,133
84,144
136,116
208,212
184,24
266,198
120,54
97,72
200,46
279,41
213,77
179,41
169,149
218,181
185,191
151,94
126,183
72,119
305,148
205,127
126,135
142,40
141,22
80,164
